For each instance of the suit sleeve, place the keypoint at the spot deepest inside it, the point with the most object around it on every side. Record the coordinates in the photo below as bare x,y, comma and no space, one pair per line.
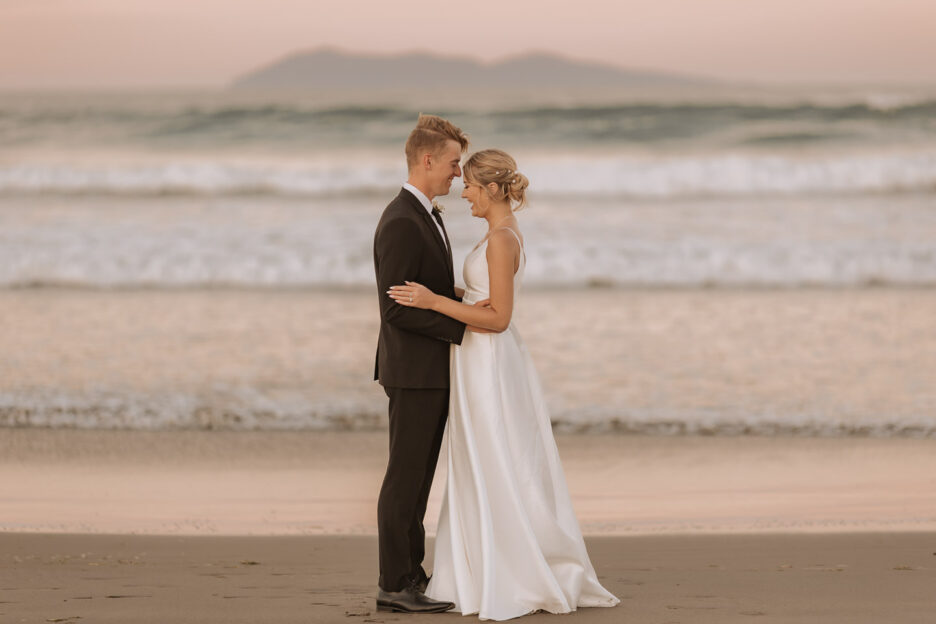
398,246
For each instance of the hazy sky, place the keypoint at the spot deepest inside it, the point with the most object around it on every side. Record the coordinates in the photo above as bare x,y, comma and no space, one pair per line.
124,43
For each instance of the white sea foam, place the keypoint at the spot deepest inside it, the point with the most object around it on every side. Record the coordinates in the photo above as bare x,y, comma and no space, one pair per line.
236,409
622,176
246,409
732,175
576,242
196,178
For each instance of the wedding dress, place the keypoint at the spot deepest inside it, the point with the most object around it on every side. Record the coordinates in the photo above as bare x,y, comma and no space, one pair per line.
508,542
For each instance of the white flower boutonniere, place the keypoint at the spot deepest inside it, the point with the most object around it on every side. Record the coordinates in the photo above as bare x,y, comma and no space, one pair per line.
437,206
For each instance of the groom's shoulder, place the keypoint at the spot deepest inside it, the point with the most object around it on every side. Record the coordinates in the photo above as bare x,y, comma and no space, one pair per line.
404,199
399,207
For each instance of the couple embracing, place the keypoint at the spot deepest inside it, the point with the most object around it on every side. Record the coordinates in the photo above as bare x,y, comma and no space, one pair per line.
457,372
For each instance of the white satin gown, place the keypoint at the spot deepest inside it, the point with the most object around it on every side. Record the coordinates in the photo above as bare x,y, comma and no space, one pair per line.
508,542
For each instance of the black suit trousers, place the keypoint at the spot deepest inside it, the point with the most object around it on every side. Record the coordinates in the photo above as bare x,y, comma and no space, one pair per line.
417,422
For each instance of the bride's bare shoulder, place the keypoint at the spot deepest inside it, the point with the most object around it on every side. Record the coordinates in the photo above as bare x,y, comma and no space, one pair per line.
503,239
503,249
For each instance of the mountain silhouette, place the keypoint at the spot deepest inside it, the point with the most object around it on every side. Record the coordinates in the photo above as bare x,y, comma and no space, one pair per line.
329,68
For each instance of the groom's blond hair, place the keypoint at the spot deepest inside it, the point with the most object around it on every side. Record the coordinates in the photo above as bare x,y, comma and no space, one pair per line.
430,135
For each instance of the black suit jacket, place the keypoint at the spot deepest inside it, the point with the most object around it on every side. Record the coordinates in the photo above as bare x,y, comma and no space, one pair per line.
413,345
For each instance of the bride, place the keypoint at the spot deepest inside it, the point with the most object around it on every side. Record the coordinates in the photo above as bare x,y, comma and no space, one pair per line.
508,542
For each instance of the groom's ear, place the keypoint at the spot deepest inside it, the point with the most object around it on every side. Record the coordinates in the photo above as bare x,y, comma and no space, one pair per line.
427,160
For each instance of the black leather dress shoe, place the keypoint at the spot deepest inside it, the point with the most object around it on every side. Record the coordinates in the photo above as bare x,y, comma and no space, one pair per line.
410,600
422,583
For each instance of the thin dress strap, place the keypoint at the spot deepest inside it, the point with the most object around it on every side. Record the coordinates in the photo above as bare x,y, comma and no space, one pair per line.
520,242
517,236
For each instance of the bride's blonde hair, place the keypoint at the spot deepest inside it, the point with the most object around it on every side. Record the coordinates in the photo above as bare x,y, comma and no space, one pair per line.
497,166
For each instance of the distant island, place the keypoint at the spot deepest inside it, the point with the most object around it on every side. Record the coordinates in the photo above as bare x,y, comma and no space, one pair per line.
328,68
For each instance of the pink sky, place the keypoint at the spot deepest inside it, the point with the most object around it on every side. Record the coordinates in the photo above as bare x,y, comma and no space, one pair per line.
155,43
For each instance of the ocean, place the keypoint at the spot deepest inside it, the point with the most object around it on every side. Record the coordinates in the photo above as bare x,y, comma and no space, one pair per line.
716,189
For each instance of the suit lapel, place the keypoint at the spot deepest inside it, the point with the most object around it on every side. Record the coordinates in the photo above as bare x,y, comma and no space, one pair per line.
433,228
448,254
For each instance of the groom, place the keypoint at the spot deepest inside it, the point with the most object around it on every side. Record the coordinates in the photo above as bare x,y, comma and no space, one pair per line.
410,243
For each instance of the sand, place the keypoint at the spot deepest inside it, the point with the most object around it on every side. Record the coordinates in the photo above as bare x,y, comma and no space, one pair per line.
842,578
119,526
256,526
301,483
122,526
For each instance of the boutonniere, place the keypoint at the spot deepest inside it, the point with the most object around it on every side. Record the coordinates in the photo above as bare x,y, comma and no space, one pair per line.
437,206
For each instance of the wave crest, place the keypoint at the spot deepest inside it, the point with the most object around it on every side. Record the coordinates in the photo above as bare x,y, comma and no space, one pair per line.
625,177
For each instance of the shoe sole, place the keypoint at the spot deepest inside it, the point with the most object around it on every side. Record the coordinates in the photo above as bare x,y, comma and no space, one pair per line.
393,609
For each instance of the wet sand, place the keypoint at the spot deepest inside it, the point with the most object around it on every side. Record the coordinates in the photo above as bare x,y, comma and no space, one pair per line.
301,483
851,578
805,361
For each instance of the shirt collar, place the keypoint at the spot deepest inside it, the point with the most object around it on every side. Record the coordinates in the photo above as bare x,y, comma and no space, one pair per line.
419,195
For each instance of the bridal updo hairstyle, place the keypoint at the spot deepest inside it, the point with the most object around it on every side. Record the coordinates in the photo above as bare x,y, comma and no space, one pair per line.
497,166
430,135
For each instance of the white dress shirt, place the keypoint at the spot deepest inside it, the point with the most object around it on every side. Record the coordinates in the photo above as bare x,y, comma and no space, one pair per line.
427,205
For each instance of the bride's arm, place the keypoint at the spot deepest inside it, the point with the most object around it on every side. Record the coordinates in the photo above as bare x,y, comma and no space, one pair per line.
502,255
